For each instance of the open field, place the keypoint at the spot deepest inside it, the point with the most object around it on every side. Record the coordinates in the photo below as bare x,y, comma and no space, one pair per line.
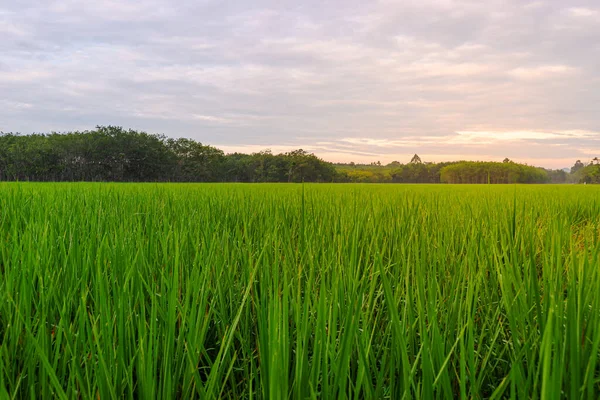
299,291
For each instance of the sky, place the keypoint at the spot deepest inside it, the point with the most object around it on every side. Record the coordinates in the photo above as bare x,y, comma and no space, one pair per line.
349,80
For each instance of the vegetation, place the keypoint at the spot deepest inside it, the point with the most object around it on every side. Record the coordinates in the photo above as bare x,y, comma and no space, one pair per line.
492,172
395,172
296,291
452,172
117,155
589,174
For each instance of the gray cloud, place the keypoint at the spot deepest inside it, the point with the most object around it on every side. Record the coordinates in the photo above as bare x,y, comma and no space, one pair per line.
348,80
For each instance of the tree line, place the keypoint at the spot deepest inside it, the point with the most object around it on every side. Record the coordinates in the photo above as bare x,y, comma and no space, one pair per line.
114,154
589,174
492,172
473,172
110,153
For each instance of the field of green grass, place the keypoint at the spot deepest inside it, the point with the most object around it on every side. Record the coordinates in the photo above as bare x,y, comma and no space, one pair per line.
299,291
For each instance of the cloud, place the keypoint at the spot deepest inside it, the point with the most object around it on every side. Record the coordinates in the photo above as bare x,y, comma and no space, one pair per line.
8,28
25,75
583,12
528,135
15,105
210,118
349,80
541,72
110,10
534,5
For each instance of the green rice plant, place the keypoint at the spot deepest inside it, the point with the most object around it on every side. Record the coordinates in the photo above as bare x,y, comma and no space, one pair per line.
299,291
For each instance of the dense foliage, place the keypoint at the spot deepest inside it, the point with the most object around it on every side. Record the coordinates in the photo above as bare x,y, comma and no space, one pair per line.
492,172
299,291
452,172
589,174
395,172
118,155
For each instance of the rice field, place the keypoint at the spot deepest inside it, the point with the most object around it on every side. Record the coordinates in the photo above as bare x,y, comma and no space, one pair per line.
281,291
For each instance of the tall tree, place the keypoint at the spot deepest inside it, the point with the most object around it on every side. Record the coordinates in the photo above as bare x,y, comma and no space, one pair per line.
577,166
196,162
415,159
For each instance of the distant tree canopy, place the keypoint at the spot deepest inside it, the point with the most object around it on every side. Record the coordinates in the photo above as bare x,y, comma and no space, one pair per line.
577,166
416,159
492,172
453,172
110,153
114,154
589,174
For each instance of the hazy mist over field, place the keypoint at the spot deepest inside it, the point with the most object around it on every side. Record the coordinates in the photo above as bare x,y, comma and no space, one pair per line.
348,80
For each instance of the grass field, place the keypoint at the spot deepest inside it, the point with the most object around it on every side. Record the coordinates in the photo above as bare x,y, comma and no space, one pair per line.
299,291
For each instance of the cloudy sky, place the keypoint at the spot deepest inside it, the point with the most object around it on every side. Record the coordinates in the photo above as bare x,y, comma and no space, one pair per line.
348,80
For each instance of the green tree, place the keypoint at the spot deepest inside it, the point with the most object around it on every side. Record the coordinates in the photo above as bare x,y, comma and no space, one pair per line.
415,159
196,162
577,166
